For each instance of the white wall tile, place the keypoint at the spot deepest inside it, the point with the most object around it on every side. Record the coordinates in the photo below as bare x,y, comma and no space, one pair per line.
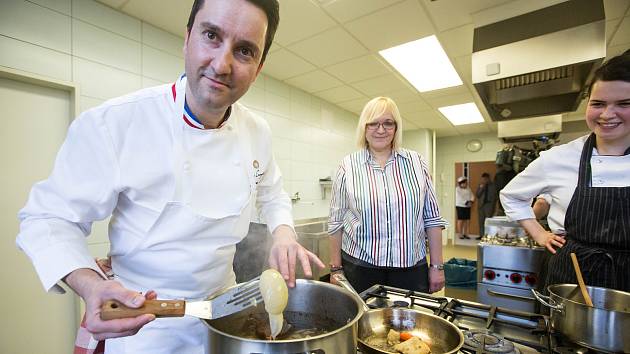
285,167
254,98
101,81
86,102
35,59
63,6
96,44
281,148
161,65
277,87
105,17
162,40
149,82
35,24
277,105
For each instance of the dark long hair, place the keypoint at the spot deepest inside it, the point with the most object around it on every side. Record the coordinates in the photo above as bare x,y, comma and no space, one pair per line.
271,8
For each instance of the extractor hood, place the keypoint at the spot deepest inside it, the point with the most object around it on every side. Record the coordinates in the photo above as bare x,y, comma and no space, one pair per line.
539,63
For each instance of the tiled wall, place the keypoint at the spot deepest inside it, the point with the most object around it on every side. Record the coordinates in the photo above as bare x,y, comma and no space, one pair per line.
107,54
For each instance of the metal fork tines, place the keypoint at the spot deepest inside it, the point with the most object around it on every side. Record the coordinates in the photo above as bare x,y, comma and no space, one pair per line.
247,294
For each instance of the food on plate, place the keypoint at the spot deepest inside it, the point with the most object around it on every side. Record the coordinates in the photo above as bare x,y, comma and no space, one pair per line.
393,337
275,295
414,345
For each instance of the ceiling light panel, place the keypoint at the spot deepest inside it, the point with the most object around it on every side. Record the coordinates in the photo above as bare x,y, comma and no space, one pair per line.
461,114
423,63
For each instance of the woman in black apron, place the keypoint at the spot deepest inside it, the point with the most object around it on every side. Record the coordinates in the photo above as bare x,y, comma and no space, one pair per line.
596,225
598,231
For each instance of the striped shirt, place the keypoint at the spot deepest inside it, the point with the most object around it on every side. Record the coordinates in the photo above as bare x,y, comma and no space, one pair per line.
384,212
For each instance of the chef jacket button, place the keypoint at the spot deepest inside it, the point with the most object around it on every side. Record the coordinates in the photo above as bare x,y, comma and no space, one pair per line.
186,166
599,161
236,163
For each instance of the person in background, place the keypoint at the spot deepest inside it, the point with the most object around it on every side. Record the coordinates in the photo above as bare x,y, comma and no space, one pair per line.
589,183
486,202
463,201
383,207
179,168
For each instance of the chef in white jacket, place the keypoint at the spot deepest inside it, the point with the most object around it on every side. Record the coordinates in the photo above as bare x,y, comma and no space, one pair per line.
179,168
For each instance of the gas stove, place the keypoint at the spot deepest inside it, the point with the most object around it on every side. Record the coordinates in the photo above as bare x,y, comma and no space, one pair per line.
486,328
499,330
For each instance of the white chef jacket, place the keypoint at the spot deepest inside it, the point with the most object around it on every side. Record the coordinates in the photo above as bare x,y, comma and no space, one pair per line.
118,160
555,173
462,195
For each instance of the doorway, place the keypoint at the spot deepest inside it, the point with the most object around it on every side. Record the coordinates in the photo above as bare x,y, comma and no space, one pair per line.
473,171
34,123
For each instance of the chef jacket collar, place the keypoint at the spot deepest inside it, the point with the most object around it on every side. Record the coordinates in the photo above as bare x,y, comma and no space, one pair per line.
192,120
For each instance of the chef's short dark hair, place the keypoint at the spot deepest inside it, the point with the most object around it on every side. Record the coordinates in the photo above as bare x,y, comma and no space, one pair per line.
485,174
271,8
615,69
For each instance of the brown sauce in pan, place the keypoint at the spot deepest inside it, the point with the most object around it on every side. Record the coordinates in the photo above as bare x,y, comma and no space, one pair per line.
256,326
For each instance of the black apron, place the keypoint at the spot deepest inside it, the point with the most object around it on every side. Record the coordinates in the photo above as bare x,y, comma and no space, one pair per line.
597,227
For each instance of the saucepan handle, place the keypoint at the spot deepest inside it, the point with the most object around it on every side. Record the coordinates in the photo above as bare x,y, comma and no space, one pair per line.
344,283
547,301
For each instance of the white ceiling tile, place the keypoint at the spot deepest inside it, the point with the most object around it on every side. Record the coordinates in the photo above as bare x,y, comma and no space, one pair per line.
404,96
300,19
472,128
339,94
397,24
314,81
458,41
283,64
622,35
450,91
113,3
381,85
615,8
355,106
347,10
449,100
429,119
358,69
463,65
409,108
616,50
330,47
274,47
408,125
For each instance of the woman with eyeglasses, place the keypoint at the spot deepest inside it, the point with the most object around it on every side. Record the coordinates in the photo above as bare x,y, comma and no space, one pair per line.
383,208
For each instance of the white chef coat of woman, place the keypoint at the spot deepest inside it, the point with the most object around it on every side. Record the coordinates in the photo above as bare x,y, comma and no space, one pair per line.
589,184
179,168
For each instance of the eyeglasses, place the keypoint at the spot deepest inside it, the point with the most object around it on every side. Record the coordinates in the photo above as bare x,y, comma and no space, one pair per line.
387,125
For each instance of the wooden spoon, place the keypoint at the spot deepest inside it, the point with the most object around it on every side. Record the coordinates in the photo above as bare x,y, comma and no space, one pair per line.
580,280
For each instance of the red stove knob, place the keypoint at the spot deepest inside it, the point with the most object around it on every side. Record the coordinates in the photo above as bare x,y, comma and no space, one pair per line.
489,274
530,279
516,278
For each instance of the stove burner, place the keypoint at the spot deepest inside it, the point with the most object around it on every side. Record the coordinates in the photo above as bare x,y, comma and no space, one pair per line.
400,303
492,342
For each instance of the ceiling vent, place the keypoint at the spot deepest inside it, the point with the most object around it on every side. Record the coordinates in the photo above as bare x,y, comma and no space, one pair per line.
539,63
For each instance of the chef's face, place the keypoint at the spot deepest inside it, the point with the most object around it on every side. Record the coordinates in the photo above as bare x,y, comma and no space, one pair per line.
380,132
222,52
608,112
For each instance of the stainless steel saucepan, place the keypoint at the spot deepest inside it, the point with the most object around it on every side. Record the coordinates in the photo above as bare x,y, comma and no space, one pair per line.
441,335
603,327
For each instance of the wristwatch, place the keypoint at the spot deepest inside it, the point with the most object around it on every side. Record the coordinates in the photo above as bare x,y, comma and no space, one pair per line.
437,266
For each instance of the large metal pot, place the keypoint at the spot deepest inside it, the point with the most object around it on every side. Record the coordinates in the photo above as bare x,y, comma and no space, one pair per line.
330,313
442,336
603,327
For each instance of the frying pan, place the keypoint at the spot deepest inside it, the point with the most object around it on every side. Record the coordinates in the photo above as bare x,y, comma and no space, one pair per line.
442,336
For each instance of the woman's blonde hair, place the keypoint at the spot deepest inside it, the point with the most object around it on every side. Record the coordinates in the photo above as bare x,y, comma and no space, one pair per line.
372,111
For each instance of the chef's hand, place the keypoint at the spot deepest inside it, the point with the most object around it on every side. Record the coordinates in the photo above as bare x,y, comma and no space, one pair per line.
549,240
436,280
95,291
285,250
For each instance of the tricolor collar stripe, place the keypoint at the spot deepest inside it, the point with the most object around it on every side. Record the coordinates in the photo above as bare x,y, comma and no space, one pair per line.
190,118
